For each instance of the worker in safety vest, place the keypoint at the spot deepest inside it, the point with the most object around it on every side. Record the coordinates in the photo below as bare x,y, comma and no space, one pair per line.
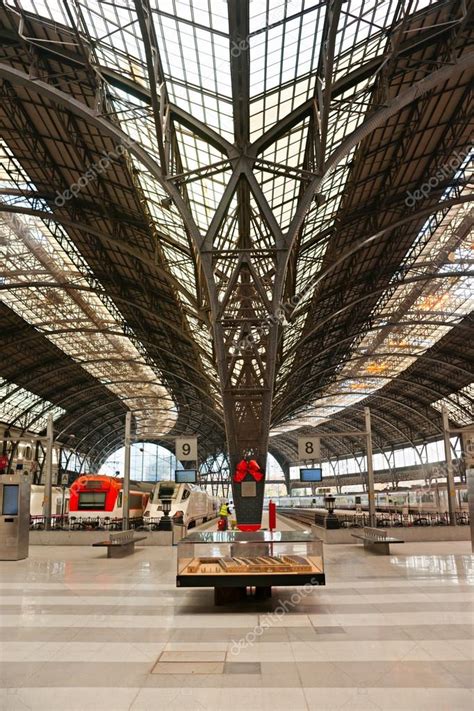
224,513
224,510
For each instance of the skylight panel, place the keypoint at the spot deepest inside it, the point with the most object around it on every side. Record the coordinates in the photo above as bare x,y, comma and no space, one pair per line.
387,351
79,319
458,405
51,9
22,408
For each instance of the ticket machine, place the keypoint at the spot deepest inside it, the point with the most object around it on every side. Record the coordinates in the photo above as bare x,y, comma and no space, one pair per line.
15,516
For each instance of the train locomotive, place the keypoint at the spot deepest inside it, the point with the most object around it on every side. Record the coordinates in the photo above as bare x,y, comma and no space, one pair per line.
190,505
100,498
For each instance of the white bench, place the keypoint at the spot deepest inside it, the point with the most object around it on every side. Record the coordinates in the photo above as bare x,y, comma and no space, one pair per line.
376,540
120,544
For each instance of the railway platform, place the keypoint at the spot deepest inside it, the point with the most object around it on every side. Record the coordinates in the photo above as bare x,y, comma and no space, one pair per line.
386,632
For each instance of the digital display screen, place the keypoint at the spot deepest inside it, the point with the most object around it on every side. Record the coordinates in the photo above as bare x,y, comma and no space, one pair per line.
186,476
311,474
10,500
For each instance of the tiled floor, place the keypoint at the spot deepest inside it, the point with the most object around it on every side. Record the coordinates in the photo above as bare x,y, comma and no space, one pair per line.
83,632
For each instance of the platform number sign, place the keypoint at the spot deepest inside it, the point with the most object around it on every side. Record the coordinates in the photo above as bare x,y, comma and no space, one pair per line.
309,449
186,449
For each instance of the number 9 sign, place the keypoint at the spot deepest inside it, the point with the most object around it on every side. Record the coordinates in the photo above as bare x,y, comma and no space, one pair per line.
308,448
186,449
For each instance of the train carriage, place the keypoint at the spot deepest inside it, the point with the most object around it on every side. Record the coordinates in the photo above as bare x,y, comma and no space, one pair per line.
100,497
190,505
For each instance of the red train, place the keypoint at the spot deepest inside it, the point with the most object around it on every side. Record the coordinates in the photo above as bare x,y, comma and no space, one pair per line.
101,497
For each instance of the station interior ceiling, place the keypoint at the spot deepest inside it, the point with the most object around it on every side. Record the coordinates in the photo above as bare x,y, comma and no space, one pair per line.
234,206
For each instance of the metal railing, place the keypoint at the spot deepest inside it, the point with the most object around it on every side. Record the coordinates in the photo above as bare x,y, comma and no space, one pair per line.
384,519
82,523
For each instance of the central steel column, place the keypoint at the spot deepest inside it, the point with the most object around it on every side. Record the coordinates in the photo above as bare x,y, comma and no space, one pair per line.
470,498
126,473
370,467
48,474
449,469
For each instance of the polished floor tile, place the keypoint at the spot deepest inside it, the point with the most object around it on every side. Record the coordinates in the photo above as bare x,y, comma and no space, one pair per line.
187,667
80,632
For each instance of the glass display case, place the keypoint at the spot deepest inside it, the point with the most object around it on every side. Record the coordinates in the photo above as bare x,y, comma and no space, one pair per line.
241,559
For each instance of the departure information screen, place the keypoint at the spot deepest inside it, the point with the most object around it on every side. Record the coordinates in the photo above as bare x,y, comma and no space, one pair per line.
186,476
311,474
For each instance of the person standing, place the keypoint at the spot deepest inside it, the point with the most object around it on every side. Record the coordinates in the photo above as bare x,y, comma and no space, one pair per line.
224,513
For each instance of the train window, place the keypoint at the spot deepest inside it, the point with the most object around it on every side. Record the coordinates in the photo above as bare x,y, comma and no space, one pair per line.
119,500
91,500
136,501
167,491
186,495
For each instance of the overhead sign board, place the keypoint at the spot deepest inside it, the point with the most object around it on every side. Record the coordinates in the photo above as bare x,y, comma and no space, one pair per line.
186,449
309,449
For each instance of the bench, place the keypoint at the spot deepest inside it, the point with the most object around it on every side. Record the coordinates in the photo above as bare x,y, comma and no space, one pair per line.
120,544
376,540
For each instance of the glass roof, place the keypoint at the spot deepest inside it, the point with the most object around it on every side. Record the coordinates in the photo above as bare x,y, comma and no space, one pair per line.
25,410
192,70
458,405
81,322
413,318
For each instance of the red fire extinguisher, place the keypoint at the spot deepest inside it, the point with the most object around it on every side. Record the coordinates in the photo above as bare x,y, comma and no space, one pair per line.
272,516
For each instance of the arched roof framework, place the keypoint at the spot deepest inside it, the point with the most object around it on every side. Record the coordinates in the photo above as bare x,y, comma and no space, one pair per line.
308,173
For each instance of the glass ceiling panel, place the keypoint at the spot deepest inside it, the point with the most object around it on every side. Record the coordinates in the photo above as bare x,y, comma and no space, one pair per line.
194,48
77,320
285,46
23,409
284,51
460,406
412,320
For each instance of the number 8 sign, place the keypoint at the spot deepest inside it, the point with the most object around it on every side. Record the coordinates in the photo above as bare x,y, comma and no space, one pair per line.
308,448
186,449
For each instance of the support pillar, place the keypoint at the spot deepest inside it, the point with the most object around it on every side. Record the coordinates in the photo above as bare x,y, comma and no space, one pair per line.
126,473
48,473
470,498
370,468
449,469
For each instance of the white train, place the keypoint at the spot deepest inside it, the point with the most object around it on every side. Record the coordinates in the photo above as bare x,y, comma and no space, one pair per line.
59,504
423,500
59,500
189,504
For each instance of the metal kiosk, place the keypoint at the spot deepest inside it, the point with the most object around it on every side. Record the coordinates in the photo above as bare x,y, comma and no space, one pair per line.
15,516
